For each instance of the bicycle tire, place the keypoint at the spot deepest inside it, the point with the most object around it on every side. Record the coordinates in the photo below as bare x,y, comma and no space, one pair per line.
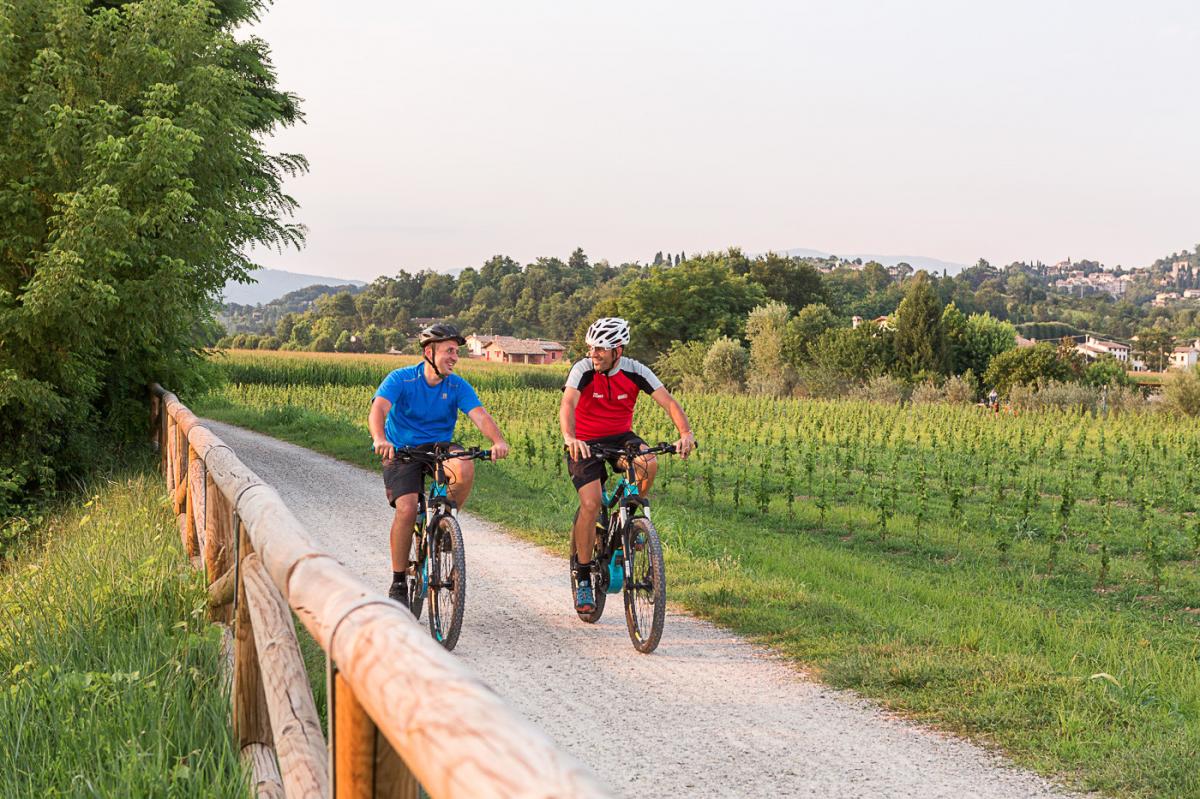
646,588
418,577
598,589
447,582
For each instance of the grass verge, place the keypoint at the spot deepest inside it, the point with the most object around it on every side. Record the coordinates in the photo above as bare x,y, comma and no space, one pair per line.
1103,694
109,672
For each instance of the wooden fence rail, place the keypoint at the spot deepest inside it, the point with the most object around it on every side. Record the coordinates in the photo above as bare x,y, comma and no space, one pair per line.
404,714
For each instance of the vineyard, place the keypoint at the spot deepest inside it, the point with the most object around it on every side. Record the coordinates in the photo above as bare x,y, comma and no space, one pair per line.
1108,503
1032,578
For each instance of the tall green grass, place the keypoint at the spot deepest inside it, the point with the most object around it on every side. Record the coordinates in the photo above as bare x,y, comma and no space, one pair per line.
321,369
109,672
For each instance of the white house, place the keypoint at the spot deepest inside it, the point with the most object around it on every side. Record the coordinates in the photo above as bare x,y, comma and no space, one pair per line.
1186,357
1092,348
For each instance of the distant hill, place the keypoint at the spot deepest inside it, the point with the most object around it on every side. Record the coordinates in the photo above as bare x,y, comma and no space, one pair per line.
274,283
915,261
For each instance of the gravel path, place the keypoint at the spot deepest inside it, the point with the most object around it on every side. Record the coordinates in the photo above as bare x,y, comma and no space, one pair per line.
707,714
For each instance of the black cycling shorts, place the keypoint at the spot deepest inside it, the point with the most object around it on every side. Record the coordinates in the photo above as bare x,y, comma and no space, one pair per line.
401,477
588,469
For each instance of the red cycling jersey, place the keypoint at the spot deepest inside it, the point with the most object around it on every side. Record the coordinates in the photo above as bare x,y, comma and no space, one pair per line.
606,399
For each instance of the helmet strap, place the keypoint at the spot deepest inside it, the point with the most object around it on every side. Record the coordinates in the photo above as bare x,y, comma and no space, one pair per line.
432,346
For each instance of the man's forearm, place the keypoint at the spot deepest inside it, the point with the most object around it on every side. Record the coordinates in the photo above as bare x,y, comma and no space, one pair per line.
566,422
487,425
675,411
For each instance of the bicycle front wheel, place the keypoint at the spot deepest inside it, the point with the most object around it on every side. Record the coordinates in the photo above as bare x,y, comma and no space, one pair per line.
447,581
646,588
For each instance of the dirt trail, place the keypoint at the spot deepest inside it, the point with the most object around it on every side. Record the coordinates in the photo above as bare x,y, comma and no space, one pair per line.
708,714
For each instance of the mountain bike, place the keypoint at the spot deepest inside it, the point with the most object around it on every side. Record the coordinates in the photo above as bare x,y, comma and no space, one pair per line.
628,555
437,564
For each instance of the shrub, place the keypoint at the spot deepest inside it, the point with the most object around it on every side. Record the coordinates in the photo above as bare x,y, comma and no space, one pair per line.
1181,393
883,389
725,364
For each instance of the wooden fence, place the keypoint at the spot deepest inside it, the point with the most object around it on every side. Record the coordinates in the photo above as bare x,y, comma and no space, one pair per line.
404,714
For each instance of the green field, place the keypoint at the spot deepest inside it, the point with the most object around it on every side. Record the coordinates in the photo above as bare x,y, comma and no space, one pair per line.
1028,580
109,671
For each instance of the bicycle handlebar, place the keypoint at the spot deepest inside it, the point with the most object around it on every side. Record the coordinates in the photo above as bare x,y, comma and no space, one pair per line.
603,451
440,455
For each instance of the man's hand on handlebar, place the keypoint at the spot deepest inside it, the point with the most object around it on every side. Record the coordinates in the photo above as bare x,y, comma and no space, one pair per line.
685,444
577,448
384,448
499,450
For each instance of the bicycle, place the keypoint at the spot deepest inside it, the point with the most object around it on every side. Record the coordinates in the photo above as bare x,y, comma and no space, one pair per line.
438,561
628,555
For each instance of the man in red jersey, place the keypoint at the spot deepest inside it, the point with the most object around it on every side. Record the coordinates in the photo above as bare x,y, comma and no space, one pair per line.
597,408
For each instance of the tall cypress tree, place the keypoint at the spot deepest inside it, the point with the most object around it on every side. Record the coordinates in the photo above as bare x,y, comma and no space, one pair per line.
920,340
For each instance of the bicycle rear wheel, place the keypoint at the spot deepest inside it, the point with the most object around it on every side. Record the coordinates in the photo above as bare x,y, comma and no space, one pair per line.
418,575
447,581
646,589
598,585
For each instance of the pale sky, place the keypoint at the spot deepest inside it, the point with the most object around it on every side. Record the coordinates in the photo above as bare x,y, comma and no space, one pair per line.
441,134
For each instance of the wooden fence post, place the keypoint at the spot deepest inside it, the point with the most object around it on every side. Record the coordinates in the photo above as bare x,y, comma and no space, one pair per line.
299,744
197,505
169,453
251,723
363,764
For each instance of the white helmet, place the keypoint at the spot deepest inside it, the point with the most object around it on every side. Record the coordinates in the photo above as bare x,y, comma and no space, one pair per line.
608,333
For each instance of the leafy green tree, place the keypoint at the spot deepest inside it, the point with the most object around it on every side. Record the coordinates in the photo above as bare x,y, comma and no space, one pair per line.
1181,392
1107,371
804,329
788,280
1154,347
920,341
972,341
1025,366
766,329
725,365
133,182
682,303
373,339
682,361
845,356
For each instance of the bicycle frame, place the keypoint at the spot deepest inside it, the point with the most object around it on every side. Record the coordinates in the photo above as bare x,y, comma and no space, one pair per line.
626,498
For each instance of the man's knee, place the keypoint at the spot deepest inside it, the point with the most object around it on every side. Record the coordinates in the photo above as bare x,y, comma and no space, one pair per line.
646,464
406,505
589,502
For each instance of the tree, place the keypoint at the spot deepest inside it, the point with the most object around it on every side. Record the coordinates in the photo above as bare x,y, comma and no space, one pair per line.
1181,392
972,341
1026,366
787,280
133,180
804,329
766,329
1107,371
1154,347
681,363
681,303
920,341
844,356
725,364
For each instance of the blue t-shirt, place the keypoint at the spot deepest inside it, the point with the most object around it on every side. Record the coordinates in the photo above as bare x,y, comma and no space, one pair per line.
421,413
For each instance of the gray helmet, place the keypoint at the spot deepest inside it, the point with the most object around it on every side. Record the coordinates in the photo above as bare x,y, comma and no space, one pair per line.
439,331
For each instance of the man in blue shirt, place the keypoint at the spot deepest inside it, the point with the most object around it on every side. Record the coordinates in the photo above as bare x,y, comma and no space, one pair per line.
418,406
